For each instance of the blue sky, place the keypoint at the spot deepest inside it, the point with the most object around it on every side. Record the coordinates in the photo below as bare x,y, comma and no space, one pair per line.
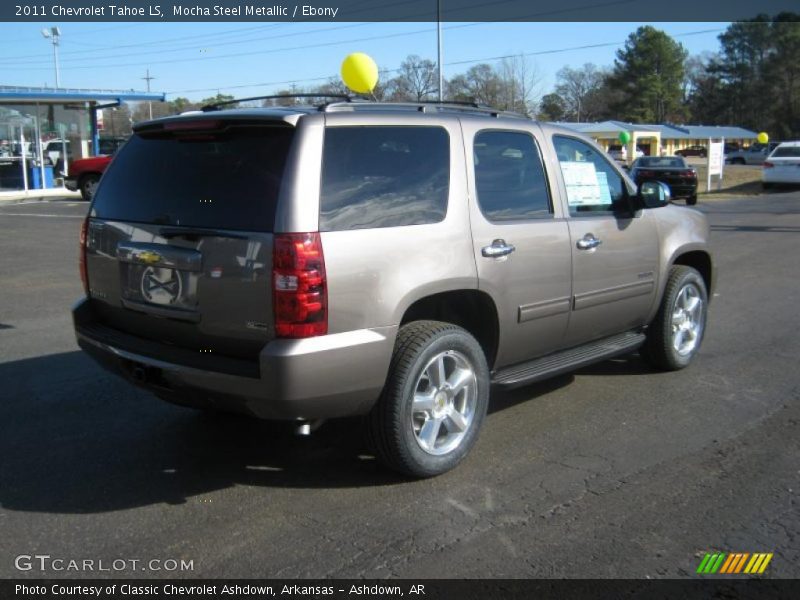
197,59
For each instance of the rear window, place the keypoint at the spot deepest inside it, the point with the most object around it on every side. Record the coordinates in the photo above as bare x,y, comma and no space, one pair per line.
786,152
667,161
226,180
384,177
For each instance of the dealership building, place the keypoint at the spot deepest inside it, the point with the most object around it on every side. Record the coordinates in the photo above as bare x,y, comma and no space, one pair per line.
661,140
42,129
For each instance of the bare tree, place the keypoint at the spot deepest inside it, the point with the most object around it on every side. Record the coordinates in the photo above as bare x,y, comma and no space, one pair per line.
480,84
575,86
521,81
416,81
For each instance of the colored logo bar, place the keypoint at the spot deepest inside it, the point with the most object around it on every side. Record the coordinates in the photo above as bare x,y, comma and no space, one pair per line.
729,563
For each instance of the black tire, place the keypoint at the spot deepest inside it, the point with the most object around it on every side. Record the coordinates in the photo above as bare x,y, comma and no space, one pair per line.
659,349
737,161
767,186
691,200
87,186
391,427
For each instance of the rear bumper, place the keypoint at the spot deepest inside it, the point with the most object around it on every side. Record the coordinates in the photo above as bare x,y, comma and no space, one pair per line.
71,183
789,176
678,189
329,376
683,190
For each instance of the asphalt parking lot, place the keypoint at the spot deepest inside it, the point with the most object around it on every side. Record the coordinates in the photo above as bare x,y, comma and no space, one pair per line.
614,471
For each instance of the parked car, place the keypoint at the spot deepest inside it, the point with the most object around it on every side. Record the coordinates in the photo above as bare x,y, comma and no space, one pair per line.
306,263
620,153
730,147
85,173
700,151
754,155
52,150
109,145
672,170
782,165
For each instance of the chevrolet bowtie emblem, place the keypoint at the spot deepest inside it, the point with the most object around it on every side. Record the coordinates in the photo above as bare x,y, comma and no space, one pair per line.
148,257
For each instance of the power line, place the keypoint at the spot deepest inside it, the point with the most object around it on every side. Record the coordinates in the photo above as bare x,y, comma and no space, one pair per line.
93,51
23,61
453,63
240,54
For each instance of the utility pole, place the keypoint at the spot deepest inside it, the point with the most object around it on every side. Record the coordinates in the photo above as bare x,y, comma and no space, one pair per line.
54,34
439,43
148,79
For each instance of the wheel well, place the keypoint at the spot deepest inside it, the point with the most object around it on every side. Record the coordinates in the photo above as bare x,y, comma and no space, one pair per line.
700,261
83,176
471,309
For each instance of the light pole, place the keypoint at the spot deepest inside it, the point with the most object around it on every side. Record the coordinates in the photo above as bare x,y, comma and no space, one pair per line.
54,34
148,79
439,43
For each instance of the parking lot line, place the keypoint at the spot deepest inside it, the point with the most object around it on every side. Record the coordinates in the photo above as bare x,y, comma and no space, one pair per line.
51,215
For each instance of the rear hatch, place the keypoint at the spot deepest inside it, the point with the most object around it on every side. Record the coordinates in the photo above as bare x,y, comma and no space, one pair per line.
179,238
785,162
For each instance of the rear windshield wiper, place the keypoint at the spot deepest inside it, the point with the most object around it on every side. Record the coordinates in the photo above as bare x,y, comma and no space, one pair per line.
194,232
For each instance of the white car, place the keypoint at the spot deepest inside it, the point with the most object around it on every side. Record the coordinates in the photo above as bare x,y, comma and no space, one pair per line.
782,165
620,153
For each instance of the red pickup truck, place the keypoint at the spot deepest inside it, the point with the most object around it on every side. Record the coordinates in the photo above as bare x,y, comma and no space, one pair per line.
84,173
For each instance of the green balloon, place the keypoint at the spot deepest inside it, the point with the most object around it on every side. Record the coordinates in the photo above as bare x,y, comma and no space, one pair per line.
624,137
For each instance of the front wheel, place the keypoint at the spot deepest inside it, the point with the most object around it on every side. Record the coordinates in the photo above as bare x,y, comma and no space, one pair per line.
675,335
432,407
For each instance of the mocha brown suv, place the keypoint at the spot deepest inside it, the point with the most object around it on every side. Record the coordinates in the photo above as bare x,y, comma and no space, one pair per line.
393,261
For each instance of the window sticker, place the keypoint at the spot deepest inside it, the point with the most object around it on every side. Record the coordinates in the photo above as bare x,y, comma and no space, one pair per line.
605,190
583,187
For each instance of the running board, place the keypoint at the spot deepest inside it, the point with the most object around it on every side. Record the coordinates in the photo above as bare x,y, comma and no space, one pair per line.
565,361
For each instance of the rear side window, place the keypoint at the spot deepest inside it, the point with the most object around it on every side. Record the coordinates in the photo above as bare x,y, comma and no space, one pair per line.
384,177
509,176
227,180
786,152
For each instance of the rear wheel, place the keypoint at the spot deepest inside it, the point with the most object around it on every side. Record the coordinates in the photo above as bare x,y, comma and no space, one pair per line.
675,335
691,200
434,401
88,186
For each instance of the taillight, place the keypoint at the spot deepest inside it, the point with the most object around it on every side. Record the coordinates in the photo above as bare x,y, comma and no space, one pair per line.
299,287
768,165
647,173
82,259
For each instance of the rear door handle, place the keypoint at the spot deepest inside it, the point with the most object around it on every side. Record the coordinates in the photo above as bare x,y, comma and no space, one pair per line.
497,249
588,242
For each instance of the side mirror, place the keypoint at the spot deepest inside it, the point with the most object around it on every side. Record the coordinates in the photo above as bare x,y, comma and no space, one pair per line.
653,194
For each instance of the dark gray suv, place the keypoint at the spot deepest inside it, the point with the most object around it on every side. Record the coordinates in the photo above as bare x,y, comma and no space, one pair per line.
392,261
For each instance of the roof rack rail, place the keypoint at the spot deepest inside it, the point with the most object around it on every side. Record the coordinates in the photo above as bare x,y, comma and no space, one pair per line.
424,106
216,105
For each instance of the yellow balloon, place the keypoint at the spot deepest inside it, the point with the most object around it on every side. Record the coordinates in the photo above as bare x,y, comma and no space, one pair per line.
762,137
359,72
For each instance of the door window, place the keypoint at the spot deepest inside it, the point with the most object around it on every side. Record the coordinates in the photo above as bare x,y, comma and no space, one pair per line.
509,177
384,177
593,185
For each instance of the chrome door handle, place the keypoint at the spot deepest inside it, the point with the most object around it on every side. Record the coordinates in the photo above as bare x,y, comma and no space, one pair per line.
497,249
588,242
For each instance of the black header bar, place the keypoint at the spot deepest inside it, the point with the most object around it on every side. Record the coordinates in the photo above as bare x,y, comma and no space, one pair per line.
55,11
